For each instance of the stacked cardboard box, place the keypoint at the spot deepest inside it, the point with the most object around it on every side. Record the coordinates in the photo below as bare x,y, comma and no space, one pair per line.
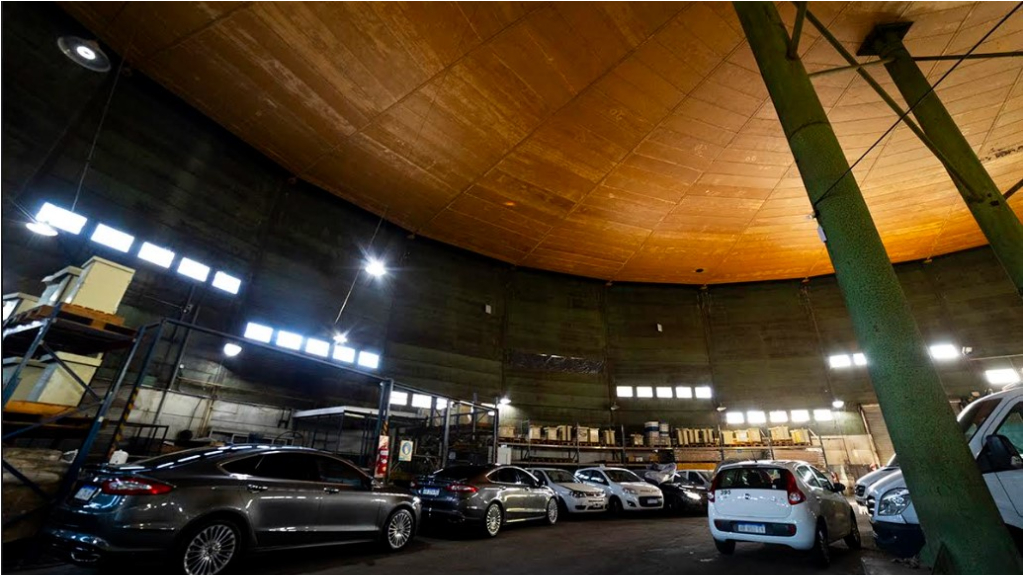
608,437
779,433
800,436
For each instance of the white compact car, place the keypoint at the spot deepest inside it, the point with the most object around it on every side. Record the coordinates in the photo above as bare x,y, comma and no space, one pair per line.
625,490
993,430
779,502
573,496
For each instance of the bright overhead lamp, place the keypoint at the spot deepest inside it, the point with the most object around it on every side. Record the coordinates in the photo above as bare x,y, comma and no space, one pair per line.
344,354
505,401
226,282
944,352
799,416
1002,376
231,349
368,359
157,255
644,392
734,418
624,391
192,269
340,338
60,218
859,359
399,398
85,53
684,392
839,361
421,401
822,415
41,228
375,268
663,391
258,332
702,392
756,417
289,340
838,404
778,417
112,238
318,347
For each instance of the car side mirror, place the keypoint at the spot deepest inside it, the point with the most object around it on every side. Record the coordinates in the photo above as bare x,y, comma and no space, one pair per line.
837,487
998,454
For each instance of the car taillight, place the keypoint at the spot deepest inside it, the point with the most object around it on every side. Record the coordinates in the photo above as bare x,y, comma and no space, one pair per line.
134,486
414,484
714,486
793,492
461,488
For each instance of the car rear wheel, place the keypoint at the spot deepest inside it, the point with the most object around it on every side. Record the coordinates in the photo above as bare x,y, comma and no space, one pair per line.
852,540
493,518
210,547
399,529
820,552
725,546
552,512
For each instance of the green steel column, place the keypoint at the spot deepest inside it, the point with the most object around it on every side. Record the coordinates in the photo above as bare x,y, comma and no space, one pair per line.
986,202
949,494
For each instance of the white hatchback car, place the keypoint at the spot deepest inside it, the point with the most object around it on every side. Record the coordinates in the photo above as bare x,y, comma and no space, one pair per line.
779,502
626,490
573,496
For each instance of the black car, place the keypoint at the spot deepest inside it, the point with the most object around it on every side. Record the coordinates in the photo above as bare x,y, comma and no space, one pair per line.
683,494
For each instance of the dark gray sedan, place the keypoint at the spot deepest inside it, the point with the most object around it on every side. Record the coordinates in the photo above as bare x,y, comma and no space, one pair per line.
210,505
487,496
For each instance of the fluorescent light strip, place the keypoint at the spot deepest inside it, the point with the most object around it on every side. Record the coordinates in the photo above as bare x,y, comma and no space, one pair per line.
193,269
368,359
157,255
289,340
318,347
112,238
226,282
61,219
258,332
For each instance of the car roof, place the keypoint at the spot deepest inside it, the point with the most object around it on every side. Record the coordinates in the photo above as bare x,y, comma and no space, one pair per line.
764,463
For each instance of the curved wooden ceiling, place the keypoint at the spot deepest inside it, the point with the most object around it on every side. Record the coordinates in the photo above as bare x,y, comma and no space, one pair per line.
624,141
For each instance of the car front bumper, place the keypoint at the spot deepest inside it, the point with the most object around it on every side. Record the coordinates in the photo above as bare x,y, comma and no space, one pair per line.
900,540
587,504
642,502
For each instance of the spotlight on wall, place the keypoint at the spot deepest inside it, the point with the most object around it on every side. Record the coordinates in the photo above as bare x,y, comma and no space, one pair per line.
340,338
837,403
505,401
231,349
85,53
720,408
375,268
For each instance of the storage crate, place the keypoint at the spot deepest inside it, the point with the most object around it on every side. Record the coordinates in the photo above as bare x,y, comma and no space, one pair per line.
608,437
593,435
582,434
779,433
563,433
550,433
636,439
729,437
506,431
800,436
535,433
754,435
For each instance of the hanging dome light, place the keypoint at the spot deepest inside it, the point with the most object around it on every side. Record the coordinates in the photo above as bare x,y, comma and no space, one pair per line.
85,53
42,228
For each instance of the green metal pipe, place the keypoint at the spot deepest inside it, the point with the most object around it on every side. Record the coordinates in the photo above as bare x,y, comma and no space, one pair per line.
952,500
985,201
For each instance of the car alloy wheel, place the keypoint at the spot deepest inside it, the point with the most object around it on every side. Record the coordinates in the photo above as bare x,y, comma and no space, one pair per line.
211,549
492,520
552,516
852,540
399,529
820,550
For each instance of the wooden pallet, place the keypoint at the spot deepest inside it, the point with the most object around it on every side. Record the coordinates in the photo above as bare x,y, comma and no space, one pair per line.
80,314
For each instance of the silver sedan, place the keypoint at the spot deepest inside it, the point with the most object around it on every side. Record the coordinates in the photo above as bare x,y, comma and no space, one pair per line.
208,506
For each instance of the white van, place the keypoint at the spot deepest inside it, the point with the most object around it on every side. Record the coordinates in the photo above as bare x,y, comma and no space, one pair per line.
993,430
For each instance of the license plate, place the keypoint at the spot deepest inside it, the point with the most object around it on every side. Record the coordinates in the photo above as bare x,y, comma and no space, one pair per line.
85,493
431,491
750,528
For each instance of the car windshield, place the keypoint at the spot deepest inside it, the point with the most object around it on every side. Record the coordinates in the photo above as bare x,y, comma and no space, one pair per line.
559,476
459,472
974,416
622,476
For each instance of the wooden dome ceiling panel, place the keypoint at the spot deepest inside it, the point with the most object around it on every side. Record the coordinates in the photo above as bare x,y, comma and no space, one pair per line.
624,141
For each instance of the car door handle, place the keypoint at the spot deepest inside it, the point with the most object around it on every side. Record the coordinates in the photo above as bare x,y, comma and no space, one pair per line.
331,490
255,487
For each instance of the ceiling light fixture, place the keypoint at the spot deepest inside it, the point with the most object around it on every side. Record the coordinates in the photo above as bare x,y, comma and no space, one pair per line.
837,403
41,228
375,268
505,401
231,349
85,53
340,338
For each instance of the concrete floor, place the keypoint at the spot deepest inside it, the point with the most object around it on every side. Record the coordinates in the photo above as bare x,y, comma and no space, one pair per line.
643,544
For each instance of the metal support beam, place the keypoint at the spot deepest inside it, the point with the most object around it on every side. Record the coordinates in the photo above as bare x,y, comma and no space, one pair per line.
444,438
981,56
997,221
798,27
913,403
1013,189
